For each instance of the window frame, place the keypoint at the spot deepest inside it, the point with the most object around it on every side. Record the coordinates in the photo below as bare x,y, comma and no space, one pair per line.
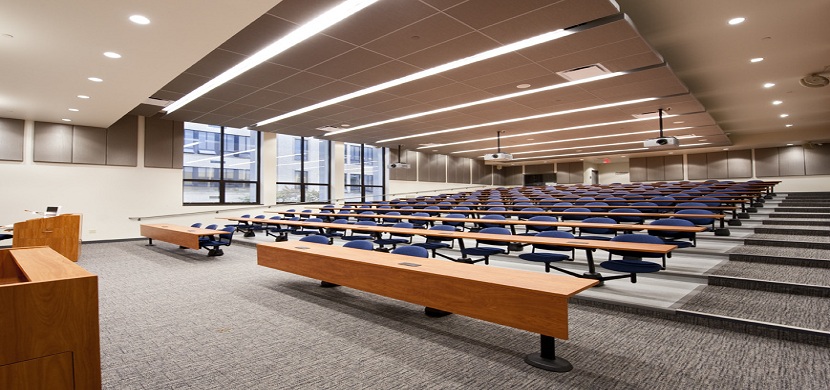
222,181
301,155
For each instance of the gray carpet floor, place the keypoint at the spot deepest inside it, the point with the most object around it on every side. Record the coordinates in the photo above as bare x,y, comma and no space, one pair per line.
775,272
784,252
789,237
176,319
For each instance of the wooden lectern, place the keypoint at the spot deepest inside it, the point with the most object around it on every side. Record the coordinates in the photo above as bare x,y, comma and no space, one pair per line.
61,233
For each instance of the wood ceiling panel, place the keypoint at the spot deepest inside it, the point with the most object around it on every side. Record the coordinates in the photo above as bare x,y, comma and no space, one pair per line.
259,34
330,91
265,74
299,83
443,4
351,62
368,100
418,86
381,73
498,64
606,34
380,19
431,31
513,77
562,14
302,11
311,52
234,110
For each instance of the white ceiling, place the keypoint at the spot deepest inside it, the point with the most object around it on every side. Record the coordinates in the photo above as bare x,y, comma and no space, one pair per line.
57,45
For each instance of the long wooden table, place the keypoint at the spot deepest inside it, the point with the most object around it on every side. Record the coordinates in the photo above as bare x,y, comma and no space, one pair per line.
524,300
184,236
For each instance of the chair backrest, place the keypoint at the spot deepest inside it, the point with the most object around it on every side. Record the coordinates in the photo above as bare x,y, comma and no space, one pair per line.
575,210
211,226
196,225
598,230
403,225
563,204
366,223
494,230
663,200
697,216
626,218
228,236
411,250
555,234
359,244
638,238
316,238
671,222
707,200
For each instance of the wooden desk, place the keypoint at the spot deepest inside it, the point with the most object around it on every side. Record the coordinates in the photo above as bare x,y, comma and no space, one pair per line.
49,335
61,233
184,236
525,300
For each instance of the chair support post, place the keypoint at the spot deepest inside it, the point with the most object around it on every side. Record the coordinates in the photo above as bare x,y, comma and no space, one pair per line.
546,358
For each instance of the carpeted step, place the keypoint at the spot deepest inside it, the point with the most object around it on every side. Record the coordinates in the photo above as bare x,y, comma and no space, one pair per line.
806,257
799,215
798,230
802,210
796,222
777,275
802,311
789,241
808,195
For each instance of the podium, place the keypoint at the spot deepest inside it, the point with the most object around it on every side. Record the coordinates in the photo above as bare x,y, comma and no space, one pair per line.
61,233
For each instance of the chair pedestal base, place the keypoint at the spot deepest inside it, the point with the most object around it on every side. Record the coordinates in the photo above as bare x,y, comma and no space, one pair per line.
249,233
734,222
215,252
328,284
722,232
435,313
596,276
546,359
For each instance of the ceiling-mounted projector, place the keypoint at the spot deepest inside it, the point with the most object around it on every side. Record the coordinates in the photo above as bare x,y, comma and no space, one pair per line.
662,142
498,157
398,165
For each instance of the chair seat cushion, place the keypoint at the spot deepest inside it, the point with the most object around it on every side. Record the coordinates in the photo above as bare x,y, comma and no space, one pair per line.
482,251
432,245
631,266
680,244
543,257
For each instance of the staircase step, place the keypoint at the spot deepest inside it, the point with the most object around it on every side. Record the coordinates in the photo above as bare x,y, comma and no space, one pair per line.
789,241
801,311
819,258
799,215
800,230
794,222
774,273
802,210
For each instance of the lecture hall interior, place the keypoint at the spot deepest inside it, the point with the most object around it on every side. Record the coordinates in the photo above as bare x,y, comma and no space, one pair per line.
388,194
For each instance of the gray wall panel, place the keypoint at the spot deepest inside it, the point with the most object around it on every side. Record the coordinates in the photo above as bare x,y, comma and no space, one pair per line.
89,145
53,142
791,161
482,173
458,169
697,166
637,170
122,142
178,144
498,176
739,164
539,169
513,175
577,171
716,165
655,170
673,167
11,139
423,166
438,168
158,143
766,162
817,159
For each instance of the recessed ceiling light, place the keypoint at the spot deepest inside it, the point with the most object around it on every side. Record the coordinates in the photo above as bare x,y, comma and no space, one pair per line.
95,79
789,144
622,156
703,139
725,148
66,120
112,54
345,125
671,152
776,102
735,21
788,125
678,122
74,109
757,59
530,139
523,86
139,19
769,85
83,96
784,115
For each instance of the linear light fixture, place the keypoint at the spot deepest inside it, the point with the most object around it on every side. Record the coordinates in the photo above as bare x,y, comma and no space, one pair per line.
581,154
315,26
225,155
593,146
478,102
532,41
511,120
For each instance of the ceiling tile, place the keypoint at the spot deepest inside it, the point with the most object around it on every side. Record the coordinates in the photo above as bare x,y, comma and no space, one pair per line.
185,83
229,92
459,47
428,32
262,98
381,73
378,20
302,11
351,62
483,13
215,63
265,74
311,52
299,83
258,35
561,14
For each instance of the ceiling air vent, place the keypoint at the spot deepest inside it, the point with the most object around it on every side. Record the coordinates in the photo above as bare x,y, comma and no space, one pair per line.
583,72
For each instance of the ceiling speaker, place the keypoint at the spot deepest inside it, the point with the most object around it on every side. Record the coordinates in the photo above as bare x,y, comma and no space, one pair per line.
814,81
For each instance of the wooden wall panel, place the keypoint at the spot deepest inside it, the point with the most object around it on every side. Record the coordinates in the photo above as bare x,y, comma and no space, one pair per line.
89,145
739,164
637,170
655,168
673,167
513,175
577,172
697,166
716,165
11,139
482,173
817,159
458,170
178,144
53,142
122,142
766,162
791,161
158,143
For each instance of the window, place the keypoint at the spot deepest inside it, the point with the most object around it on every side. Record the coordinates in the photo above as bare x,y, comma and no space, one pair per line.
221,165
303,173
364,170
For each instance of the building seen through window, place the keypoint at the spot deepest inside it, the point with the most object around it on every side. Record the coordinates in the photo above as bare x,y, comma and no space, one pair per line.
303,169
221,165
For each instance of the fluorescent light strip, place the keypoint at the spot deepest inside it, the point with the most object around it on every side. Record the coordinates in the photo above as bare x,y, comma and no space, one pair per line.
546,115
597,146
546,37
318,24
483,101
581,154
226,155
575,139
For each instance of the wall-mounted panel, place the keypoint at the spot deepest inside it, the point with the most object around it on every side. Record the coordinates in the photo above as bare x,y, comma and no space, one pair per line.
122,142
791,161
716,165
437,168
407,156
158,143
817,159
423,166
498,176
673,167
577,172
513,175
655,168
458,169
89,145
53,142
481,172
739,164
178,144
697,166
637,170
766,162
539,169
11,139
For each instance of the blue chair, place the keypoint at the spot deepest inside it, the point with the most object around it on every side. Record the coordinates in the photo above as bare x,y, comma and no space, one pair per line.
317,239
710,201
212,226
663,200
460,226
360,244
364,216
592,206
196,225
644,207
547,257
307,231
626,218
333,233
493,247
539,210
632,262
420,223
241,226
433,243
689,205
597,230
532,230
670,237
575,217
616,201
698,217
279,232
433,211
394,238
390,221
491,217
213,245
411,250
357,234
